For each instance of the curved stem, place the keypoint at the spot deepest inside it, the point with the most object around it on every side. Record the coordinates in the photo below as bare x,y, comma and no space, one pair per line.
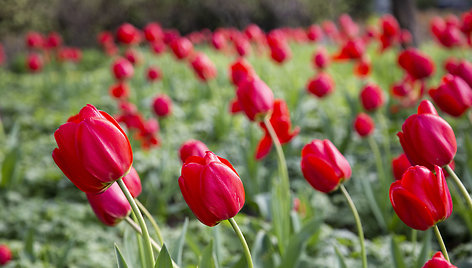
358,223
441,242
461,186
149,261
151,219
247,253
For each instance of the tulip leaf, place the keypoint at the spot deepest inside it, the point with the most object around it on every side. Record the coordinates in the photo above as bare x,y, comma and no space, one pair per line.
373,204
178,247
119,258
298,241
163,260
341,259
207,259
262,250
425,250
29,244
241,263
9,167
397,256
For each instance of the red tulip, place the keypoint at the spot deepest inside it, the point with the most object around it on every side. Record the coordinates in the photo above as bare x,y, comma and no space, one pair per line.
128,34
212,188
203,67
5,254
70,54
406,38
93,151
54,40
218,40
372,97
348,27
147,134
415,63
153,32
255,98
34,62
401,89
234,106
105,38
133,56
122,69
466,25
192,148
321,85
314,33
453,95
120,90
323,166
427,139
242,46
133,182
463,69
364,125
153,74
399,165
162,105
390,31
157,47
362,67
280,121
181,48
111,206
320,58
447,35
352,49
280,53
330,29
438,261
241,70
421,198
34,40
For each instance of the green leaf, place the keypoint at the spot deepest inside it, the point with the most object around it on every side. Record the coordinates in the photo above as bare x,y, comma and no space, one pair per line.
178,247
207,259
373,204
298,241
9,167
425,250
397,256
341,259
29,244
163,260
119,258
262,250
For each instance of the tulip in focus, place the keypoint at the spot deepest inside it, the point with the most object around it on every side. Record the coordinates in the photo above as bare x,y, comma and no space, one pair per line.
5,254
321,85
192,148
364,125
421,198
453,95
212,188
255,98
438,261
162,105
111,206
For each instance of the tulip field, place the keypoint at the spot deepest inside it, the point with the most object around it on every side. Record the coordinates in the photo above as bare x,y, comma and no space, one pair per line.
336,145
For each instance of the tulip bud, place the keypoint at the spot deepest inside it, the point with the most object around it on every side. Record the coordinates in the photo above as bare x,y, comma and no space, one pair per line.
111,206
364,125
5,254
128,34
415,63
372,97
321,58
323,166
241,70
203,67
120,90
93,151
321,85
438,261
192,148
181,48
280,53
34,40
427,139
453,95
34,62
153,74
212,188
162,105
122,69
314,33
255,98
421,198
153,32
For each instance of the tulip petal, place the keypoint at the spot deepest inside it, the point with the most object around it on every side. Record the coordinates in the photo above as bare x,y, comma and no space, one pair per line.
263,147
319,173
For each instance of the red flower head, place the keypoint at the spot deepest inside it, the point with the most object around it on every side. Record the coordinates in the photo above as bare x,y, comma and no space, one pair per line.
153,74
128,34
320,58
122,69
5,254
70,54
147,134
399,165
348,27
438,261
280,53
54,40
181,47
192,148
323,166
111,206
34,62
105,38
415,63
203,67
93,151
447,35
280,121
372,97
162,105
34,40
421,198
453,95
353,49
321,85
463,69
427,139
401,89
314,33
242,45
255,98
153,32
133,56
363,67
241,70
157,47
119,90
212,188
466,22
218,40
390,31
364,125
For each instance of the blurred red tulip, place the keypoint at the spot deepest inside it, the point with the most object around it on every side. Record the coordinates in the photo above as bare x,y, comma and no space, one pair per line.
157,47
133,56
70,54
5,255
241,70
153,32
321,85
162,105
372,97
111,206
453,95
34,40
314,33
128,34
417,64
153,74
34,62
54,40
463,69
320,58
181,47
364,125
438,261
119,90
192,148
122,69
351,49
255,98
203,67
362,67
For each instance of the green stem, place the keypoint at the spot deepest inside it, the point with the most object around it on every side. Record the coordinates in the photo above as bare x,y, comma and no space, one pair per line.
441,242
149,261
414,235
151,219
139,239
247,253
358,223
461,186
378,161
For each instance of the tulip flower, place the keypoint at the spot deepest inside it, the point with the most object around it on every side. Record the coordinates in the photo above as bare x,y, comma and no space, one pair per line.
241,70
401,89
34,40
192,148
417,64
93,151
203,67
153,74
133,182
255,98
218,40
390,31
280,53
34,62
427,139
162,105
399,165
453,95
362,67
438,261
181,48
157,47
463,69
128,34
5,254
421,198
242,46
153,32
321,85
111,206
133,56
280,121
372,97
364,125
352,49
323,166
53,40
119,91
320,58
122,69
314,33
70,54
147,134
